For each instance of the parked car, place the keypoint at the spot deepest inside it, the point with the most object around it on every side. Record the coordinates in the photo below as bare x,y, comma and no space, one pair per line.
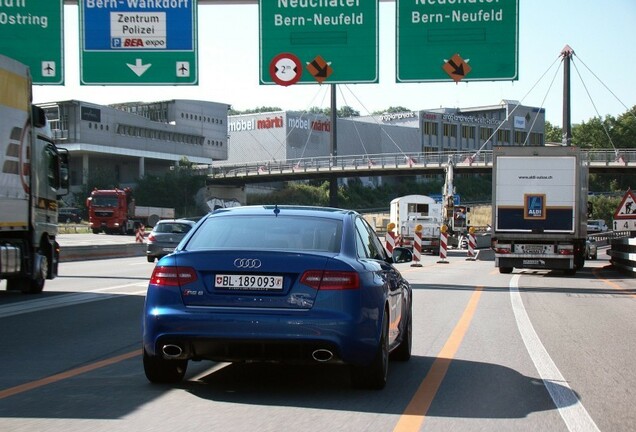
165,236
69,215
596,226
591,250
279,284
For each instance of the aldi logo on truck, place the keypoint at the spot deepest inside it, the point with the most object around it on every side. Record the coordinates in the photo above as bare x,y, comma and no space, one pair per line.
534,206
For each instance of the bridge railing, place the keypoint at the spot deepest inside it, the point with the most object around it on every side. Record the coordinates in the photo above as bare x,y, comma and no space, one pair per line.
620,157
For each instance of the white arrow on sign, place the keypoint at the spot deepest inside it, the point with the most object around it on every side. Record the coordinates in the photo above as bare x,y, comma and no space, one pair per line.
138,67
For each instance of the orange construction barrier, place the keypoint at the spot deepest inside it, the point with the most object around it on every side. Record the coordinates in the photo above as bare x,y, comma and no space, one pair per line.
417,247
443,244
141,234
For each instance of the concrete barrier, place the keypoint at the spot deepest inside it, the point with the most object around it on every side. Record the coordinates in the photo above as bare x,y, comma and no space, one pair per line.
93,252
623,254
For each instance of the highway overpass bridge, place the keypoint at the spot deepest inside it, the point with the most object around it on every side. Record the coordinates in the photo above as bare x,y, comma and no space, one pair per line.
398,164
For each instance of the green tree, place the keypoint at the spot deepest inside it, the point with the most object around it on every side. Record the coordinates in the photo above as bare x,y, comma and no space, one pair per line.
391,110
553,133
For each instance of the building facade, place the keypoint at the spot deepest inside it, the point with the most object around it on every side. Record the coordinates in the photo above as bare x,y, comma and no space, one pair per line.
284,135
132,140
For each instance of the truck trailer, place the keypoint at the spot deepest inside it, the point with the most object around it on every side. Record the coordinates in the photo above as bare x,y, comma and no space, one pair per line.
539,209
34,176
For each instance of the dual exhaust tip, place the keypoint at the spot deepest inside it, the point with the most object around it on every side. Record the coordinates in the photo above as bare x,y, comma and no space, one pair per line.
171,351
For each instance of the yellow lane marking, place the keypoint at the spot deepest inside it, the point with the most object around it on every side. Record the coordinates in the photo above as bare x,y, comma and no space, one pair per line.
415,413
596,272
65,375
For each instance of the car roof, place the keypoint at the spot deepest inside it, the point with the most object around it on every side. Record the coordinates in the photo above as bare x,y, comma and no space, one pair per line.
185,221
287,210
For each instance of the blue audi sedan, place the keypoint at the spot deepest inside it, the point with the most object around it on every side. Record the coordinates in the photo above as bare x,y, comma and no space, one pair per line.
279,283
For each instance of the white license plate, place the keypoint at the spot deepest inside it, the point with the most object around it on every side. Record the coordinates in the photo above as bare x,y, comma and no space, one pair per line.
249,282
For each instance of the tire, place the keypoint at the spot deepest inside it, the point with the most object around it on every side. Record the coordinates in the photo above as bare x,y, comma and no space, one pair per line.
505,270
374,376
163,371
95,231
570,272
594,256
150,259
33,285
403,351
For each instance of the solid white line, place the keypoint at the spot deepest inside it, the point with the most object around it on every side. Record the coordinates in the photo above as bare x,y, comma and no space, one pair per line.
570,407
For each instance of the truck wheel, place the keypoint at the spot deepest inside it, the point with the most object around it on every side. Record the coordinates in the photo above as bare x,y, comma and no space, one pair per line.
505,270
33,285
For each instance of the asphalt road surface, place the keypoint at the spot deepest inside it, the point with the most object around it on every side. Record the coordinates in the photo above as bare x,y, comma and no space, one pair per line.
530,351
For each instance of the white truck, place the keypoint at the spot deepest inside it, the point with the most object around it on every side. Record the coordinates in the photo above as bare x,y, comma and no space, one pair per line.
409,211
34,176
539,209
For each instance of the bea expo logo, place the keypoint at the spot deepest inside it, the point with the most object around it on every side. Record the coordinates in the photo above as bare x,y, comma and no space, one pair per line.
137,43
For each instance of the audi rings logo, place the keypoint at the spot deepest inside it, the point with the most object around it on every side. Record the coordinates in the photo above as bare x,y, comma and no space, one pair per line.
247,263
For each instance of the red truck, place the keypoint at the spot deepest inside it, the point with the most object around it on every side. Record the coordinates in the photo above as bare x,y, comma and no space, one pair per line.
113,211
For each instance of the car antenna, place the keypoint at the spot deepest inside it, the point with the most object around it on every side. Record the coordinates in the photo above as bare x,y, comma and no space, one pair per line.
276,210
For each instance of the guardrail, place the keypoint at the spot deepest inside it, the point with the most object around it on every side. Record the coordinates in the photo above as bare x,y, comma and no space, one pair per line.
94,252
438,160
623,254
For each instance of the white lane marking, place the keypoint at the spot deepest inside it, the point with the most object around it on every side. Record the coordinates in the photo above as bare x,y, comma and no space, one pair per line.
67,300
570,407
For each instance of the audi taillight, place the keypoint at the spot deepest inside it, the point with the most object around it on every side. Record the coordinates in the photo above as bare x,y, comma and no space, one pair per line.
331,280
173,276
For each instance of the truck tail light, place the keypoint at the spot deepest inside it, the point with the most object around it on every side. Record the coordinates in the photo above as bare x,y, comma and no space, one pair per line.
173,276
502,248
565,249
330,280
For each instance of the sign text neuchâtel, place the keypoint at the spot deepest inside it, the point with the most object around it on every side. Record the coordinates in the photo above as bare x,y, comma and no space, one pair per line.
316,16
456,16
138,4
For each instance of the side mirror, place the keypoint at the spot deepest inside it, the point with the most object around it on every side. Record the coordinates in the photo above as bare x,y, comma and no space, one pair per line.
402,255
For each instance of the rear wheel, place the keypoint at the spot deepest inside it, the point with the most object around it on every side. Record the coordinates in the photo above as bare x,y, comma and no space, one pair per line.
34,284
150,258
505,270
159,370
374,375
403,351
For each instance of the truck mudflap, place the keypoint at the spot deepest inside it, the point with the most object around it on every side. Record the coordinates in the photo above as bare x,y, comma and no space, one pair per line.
546,263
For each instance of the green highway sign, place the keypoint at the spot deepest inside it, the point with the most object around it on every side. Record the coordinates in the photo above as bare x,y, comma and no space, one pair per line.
444,40
31,32
138,42
318,41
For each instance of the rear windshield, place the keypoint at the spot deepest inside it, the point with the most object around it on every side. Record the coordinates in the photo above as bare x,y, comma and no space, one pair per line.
174,228
268,233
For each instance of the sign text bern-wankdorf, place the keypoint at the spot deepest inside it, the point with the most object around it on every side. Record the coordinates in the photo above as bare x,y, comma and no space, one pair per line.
335,41
31,32
472,40
138,42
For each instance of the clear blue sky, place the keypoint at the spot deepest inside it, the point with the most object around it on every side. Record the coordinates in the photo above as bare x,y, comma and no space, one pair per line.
601,32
